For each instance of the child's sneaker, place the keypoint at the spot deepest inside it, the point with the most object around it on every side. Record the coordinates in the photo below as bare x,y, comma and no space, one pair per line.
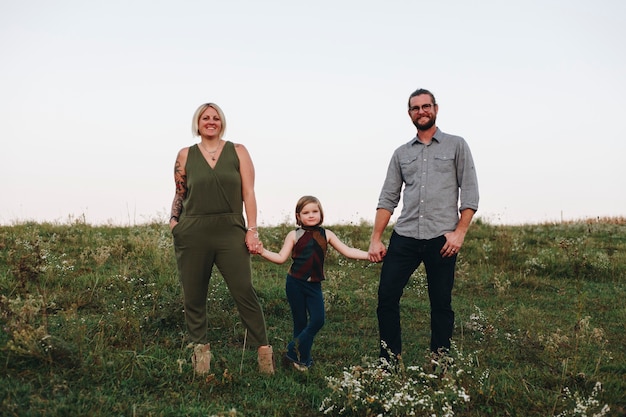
290,363
299,367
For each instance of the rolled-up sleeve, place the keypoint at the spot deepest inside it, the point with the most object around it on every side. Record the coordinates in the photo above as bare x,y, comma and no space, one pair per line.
392,187
467,178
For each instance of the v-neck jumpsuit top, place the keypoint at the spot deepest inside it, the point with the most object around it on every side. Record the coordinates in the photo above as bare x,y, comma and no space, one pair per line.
213,191
212,231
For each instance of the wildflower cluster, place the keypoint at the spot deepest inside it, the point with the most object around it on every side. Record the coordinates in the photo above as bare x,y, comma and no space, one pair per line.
138,295
480,325
386,387
584,407
418,283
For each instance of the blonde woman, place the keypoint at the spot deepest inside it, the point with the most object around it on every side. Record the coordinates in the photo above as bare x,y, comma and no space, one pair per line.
214,181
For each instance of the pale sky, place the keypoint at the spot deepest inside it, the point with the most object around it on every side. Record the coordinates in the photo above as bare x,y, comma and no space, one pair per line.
97,99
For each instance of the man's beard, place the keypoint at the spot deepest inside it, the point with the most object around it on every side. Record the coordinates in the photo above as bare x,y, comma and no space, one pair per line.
430,123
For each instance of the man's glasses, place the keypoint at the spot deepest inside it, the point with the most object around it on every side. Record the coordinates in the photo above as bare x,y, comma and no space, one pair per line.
425,107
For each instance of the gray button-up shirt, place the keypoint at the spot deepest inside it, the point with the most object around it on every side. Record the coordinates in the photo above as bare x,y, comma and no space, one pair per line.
439,180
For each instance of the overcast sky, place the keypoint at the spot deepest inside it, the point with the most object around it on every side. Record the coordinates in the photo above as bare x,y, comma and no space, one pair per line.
97,99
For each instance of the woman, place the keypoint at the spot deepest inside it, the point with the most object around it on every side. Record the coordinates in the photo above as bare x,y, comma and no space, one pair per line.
214,182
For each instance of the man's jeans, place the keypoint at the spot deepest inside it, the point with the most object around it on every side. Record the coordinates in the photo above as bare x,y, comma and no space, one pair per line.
403,257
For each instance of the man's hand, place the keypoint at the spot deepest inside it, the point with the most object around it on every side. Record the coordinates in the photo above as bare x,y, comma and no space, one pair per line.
377,251
454,241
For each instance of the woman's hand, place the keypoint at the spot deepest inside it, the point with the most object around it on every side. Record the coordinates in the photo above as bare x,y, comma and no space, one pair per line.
254,245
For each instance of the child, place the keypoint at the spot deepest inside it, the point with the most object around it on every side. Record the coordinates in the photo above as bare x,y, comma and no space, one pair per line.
307,247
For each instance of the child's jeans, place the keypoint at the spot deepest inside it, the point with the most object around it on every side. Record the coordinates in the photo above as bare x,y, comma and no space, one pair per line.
307,310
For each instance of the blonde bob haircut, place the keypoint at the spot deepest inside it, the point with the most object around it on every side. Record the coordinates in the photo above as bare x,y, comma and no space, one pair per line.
303,202
198,113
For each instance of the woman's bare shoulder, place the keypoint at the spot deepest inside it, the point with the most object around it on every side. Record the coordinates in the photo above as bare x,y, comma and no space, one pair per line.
181,157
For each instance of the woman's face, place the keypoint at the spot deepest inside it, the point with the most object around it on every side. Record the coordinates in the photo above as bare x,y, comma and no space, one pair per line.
310,215
209,124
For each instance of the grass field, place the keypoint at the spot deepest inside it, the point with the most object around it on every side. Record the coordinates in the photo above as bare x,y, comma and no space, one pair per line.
92,325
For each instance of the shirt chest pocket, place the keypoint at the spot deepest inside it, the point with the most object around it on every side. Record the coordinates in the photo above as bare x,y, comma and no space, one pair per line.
444,162
409,167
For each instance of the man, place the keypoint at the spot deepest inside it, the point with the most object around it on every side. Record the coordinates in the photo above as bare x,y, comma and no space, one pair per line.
439,180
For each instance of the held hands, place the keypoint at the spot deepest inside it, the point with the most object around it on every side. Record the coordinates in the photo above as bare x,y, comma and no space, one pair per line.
254,245
260,249
376,251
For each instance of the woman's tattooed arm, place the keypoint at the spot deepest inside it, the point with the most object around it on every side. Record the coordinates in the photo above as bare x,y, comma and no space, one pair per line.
180,179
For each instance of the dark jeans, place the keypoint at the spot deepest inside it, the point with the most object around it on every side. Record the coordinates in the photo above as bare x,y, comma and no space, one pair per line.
404,256
307,310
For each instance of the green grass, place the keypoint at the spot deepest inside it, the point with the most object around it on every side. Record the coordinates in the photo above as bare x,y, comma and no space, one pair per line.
92,325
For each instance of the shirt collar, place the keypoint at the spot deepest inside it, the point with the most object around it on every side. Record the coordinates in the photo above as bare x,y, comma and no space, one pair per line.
436,136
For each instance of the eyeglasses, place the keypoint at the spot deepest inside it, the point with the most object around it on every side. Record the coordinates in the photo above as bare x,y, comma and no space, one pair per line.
426,107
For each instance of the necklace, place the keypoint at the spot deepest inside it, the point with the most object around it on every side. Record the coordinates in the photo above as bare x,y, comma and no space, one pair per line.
212,153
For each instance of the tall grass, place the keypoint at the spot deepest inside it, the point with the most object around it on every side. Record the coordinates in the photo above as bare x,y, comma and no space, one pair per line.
92,325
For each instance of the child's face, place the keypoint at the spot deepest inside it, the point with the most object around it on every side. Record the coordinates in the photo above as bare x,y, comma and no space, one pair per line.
310,215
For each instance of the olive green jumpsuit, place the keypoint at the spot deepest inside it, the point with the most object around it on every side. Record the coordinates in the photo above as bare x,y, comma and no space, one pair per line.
211,230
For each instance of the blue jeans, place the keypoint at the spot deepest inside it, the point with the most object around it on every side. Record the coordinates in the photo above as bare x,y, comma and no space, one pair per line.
307,310
403,257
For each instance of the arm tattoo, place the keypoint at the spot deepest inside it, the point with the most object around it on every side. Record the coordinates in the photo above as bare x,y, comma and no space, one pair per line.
181,190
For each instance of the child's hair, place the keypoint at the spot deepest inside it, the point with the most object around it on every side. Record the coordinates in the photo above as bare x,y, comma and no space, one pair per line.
303,202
